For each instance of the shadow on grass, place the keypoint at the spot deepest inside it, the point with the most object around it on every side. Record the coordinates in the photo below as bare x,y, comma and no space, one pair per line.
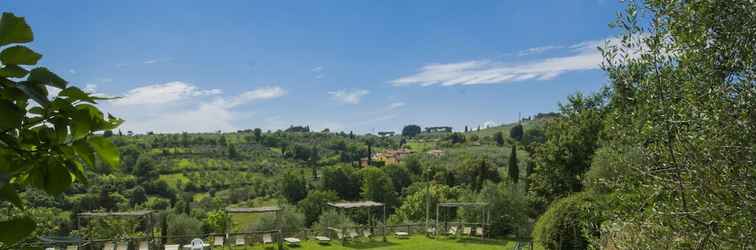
480,241
367,244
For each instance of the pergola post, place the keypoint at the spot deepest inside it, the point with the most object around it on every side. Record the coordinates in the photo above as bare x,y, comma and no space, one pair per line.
436,231
384,222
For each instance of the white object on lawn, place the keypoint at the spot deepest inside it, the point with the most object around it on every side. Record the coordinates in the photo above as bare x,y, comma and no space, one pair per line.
197,244
479,231
218,241
240,240
352,233
292,241
401,235
322,239
143,245
267,238
171,247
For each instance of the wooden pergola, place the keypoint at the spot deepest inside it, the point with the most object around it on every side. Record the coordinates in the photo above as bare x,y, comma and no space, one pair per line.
256,210
446,205
140,215
363,204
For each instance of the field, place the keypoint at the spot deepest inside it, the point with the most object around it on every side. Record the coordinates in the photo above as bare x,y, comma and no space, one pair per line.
414,243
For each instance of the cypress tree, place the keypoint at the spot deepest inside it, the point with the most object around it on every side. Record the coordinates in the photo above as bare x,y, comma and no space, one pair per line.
514,171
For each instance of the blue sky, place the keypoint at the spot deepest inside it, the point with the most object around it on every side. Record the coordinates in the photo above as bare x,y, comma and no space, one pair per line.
365,66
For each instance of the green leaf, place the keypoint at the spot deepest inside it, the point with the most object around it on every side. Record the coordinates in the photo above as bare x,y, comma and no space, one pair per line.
14,230
78,171
37,110
76,94
36,92
8,193
105,150
11,115
19,55
84,151
44,76
14,29
80,124
57,178
13,71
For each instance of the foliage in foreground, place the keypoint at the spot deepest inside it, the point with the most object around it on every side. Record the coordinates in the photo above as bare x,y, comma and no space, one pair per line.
684,82
45,143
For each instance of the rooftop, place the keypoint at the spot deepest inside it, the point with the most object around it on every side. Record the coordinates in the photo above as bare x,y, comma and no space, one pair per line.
355,204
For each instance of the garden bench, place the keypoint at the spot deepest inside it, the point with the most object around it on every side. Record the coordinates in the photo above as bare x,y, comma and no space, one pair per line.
292,241
323,239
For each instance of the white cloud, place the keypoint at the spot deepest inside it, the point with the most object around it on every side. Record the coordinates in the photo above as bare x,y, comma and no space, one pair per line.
319,72
584,56
489,124
90,88
157,60
180,106
396,105
538,50
348,96
163,93
263,93
72,71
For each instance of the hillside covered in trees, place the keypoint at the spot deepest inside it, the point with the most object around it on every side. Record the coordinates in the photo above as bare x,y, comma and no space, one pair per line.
662,157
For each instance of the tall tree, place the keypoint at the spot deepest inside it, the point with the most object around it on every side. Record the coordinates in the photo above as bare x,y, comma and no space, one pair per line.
516,132
377,186
343,180
570,143
313,205
499,138
685,96
293,186
232,152
258,135
411,130
514,170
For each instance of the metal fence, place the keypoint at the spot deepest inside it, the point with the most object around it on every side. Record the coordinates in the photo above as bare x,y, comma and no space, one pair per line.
255,238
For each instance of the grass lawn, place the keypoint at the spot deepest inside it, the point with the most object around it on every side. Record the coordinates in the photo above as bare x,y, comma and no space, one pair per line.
416,242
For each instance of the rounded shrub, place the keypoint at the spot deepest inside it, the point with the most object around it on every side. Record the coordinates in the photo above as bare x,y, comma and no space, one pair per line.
568,222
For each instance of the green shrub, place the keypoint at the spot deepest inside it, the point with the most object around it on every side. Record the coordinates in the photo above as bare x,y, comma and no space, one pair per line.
183,228
568,221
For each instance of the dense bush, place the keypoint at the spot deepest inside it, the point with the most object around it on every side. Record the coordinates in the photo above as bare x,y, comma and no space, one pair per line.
568,222
508,208
183,228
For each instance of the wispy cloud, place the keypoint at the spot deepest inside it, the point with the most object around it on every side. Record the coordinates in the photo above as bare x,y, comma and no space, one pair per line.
489,124
180,106
157,60
163,93
319,72
396,105
538,50
583,56
348,96
264,93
